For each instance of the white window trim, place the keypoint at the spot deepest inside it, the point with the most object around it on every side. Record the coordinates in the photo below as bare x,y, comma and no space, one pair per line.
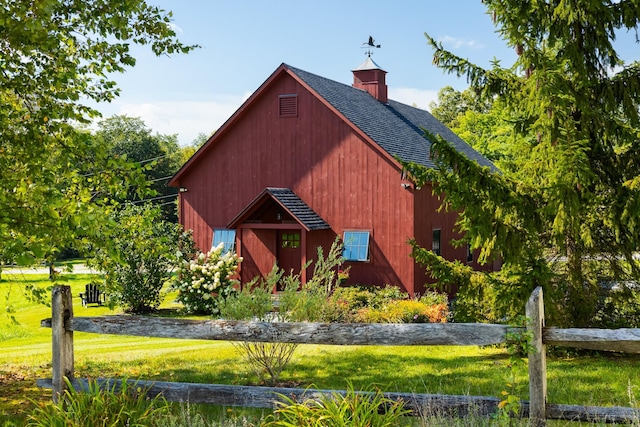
344,241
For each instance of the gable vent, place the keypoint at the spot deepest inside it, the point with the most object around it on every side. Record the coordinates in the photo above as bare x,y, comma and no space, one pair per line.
288,105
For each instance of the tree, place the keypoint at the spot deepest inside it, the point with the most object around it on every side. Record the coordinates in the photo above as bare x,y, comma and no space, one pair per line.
568,217
158,155
201,139
452,104
57,55
142,254
482,123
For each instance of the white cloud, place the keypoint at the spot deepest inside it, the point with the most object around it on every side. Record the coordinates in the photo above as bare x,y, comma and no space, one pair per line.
420,98
188,118
185,118
457,43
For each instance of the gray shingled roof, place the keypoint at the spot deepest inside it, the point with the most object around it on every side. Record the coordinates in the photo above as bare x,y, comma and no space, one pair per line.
298,208
394,126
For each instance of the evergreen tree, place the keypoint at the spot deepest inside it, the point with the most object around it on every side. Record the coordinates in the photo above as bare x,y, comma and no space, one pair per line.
568,216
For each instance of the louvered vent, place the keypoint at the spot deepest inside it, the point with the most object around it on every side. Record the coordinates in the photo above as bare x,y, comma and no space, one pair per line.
288,105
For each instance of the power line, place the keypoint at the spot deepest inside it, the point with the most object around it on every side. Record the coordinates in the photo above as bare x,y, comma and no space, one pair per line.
141,162
160,179
153,198
151,160
166,203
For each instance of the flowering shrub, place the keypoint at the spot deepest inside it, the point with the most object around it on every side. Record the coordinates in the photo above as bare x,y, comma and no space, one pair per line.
343,275
404,311
206,280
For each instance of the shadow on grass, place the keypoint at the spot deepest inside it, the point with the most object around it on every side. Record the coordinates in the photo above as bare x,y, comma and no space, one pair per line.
402,369
19,393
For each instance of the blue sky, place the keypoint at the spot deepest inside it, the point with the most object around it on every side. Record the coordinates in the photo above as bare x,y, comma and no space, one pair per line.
244,41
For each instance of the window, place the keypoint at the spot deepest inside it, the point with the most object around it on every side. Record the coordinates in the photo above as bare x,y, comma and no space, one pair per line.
356,246
288,105
291,240
435,242
469,254
228,237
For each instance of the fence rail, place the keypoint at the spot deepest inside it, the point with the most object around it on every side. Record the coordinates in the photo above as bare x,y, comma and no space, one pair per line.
63,324
295,332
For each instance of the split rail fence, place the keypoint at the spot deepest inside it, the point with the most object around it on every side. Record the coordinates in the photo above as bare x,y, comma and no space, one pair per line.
63,324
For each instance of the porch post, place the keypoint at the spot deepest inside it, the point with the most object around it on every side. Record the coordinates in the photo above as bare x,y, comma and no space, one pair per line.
303,254
239,236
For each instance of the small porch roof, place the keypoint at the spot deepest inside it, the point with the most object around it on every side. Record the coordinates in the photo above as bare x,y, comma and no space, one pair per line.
290,202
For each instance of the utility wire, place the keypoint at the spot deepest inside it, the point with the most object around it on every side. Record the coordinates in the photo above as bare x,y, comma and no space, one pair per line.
160,179
140,163
153,198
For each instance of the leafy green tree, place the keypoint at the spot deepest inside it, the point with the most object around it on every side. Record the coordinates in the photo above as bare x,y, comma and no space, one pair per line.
159,156
483,123
144,251
189,150
57,56
568,216
451,104
200,140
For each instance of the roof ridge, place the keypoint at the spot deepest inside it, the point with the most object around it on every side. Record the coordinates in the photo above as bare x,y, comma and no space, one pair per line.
395,126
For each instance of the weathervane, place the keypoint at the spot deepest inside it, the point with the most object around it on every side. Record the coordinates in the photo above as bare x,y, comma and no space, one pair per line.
369,44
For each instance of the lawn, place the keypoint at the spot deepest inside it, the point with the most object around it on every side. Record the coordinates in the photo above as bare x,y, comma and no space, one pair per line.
25,355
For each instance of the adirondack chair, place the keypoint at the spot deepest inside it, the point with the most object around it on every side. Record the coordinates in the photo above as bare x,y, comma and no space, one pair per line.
92,295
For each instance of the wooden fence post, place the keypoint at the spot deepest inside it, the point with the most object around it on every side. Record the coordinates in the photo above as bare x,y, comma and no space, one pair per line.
62,339
537,360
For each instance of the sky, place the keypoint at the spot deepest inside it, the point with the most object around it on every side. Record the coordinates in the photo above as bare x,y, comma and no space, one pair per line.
244,41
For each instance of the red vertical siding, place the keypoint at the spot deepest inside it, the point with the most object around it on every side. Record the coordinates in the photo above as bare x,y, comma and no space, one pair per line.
257,257
428,219
333,169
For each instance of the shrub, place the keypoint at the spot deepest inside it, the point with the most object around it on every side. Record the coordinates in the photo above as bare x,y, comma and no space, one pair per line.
255,302
118,405
404,311
384,295
311,302
355,297
203,282
139,257
297,303
434,298
355,409
618,308
353,300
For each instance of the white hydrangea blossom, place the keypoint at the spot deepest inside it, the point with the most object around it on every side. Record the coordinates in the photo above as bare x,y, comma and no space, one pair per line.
207,278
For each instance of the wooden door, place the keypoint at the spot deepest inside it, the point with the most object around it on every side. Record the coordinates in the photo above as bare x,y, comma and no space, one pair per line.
289,251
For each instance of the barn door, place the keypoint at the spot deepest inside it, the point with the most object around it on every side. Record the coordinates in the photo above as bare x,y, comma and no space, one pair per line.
289,251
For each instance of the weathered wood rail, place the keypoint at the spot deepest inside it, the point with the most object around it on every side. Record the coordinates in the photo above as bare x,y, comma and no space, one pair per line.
63,324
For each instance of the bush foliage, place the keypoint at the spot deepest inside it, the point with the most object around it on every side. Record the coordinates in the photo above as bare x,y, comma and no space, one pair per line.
388,304
357,409
207,280
141,255
117,405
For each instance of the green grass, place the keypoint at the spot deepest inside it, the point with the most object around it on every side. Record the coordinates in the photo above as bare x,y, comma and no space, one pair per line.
25,355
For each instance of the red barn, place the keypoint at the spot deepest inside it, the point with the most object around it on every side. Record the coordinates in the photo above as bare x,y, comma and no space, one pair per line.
306,159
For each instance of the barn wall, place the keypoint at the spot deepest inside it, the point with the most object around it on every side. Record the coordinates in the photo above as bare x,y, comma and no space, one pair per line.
350,184
428,219
258,253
